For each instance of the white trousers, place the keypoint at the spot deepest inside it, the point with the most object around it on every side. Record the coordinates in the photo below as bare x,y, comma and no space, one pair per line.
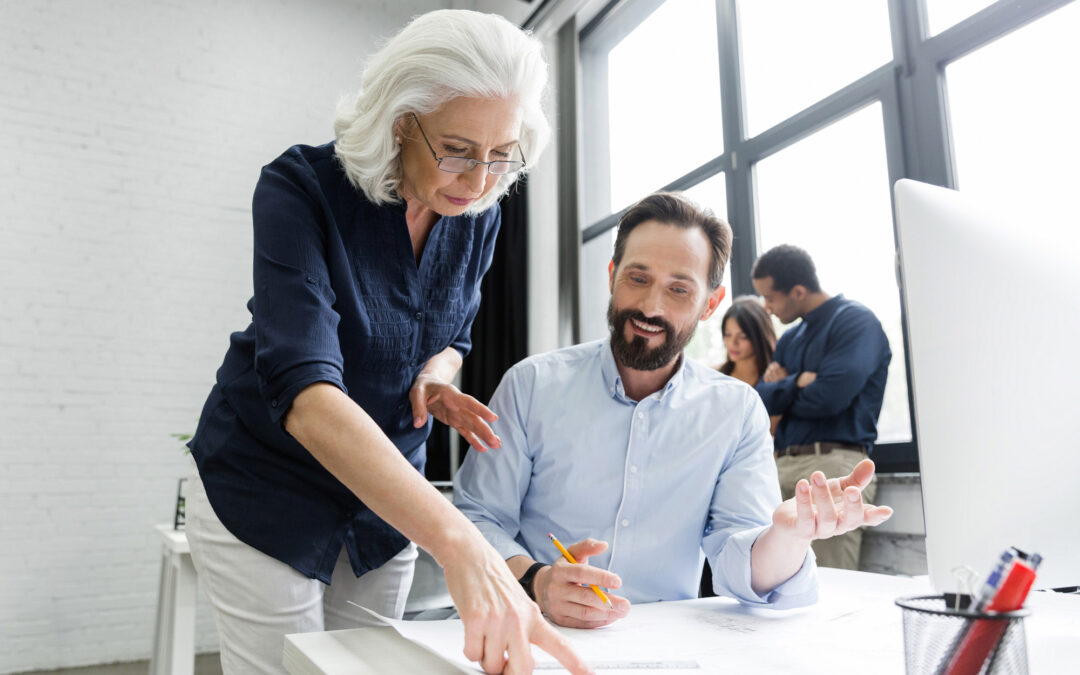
257,599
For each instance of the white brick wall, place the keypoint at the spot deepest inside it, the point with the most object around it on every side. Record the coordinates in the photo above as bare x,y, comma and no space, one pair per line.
131,136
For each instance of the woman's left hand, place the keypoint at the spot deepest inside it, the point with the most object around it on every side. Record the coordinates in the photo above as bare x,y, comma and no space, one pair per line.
453,408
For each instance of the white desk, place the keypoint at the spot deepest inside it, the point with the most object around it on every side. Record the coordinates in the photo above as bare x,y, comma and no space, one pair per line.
825,639
174,629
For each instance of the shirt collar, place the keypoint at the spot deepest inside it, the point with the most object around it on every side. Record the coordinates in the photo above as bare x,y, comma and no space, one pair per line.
613,381
824,310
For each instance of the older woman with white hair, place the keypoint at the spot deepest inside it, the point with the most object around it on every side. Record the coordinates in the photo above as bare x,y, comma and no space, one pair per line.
369,251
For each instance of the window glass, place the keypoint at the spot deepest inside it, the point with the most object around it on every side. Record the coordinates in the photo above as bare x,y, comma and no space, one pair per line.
663,100
595,256
1015,117
829,194
942,14
708,343
796,53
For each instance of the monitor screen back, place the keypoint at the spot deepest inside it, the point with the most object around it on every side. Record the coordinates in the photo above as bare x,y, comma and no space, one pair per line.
993,325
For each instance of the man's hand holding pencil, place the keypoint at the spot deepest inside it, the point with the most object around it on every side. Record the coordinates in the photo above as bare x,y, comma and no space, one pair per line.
564,594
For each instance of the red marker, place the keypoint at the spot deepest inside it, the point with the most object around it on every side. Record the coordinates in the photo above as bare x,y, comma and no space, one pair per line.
985,634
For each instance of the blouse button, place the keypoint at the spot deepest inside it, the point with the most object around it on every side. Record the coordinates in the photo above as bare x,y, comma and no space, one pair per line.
273,403
412,362
419,316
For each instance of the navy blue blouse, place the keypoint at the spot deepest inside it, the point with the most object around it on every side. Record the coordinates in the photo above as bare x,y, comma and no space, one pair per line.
339,298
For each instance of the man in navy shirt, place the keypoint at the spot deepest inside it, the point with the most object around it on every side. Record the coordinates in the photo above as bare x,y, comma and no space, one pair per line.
826,380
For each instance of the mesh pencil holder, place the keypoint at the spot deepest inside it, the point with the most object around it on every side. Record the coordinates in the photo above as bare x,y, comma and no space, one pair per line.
942,640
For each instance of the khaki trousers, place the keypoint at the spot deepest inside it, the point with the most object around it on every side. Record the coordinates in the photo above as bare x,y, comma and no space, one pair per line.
842,551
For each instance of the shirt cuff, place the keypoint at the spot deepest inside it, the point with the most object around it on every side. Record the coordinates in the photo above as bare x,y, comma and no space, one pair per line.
506,546
734,578
279,395
786,389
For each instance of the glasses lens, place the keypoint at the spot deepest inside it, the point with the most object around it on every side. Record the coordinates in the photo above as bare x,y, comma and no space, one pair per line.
456,164
501,168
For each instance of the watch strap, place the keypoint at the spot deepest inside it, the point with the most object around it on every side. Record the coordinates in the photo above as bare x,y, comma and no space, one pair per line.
527,579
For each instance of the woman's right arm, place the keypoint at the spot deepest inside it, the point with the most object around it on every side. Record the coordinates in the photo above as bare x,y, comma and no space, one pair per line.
499,618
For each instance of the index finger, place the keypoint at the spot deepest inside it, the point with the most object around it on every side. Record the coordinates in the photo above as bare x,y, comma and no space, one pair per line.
587,574
551,641
480,409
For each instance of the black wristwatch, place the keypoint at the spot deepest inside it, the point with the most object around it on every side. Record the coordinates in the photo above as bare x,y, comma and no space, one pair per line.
526,579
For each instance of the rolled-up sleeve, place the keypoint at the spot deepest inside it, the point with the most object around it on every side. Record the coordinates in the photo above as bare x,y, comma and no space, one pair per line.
490,487
746,494
296,325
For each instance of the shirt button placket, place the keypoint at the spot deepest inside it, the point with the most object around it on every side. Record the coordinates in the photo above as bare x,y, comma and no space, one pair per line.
419,317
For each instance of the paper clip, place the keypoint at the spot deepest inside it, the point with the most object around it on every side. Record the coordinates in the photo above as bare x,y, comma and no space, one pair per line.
965,576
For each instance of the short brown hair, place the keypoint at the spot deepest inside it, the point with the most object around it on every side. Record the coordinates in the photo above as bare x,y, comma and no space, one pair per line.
673,208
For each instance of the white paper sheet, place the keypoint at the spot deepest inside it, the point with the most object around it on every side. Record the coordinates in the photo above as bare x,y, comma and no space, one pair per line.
712,635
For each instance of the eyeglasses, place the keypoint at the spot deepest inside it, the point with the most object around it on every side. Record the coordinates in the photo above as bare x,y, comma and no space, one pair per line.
463,164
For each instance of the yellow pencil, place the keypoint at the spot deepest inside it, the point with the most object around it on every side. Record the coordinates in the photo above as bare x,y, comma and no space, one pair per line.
570,558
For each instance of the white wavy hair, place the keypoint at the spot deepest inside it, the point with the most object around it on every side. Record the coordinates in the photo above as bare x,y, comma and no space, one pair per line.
437,57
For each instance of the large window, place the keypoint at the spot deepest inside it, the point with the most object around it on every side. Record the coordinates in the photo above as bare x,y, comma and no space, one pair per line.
653,105
829,193
658,137
708,343
795,52
1014,109
794,119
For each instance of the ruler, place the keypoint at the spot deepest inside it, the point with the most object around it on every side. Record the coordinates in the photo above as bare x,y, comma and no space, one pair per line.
629,665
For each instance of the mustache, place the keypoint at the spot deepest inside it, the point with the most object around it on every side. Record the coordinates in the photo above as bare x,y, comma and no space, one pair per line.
625,315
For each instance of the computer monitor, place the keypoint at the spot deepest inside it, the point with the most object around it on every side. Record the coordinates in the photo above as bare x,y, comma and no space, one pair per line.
993,321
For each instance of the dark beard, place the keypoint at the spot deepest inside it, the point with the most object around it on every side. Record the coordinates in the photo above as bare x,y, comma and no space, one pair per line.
636,354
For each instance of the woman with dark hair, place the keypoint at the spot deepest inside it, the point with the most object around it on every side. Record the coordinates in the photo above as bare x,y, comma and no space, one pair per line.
749,339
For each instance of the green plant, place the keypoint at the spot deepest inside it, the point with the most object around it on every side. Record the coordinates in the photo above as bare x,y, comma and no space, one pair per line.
183,438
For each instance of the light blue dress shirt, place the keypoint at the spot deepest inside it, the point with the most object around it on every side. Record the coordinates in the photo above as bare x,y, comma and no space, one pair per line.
689,470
